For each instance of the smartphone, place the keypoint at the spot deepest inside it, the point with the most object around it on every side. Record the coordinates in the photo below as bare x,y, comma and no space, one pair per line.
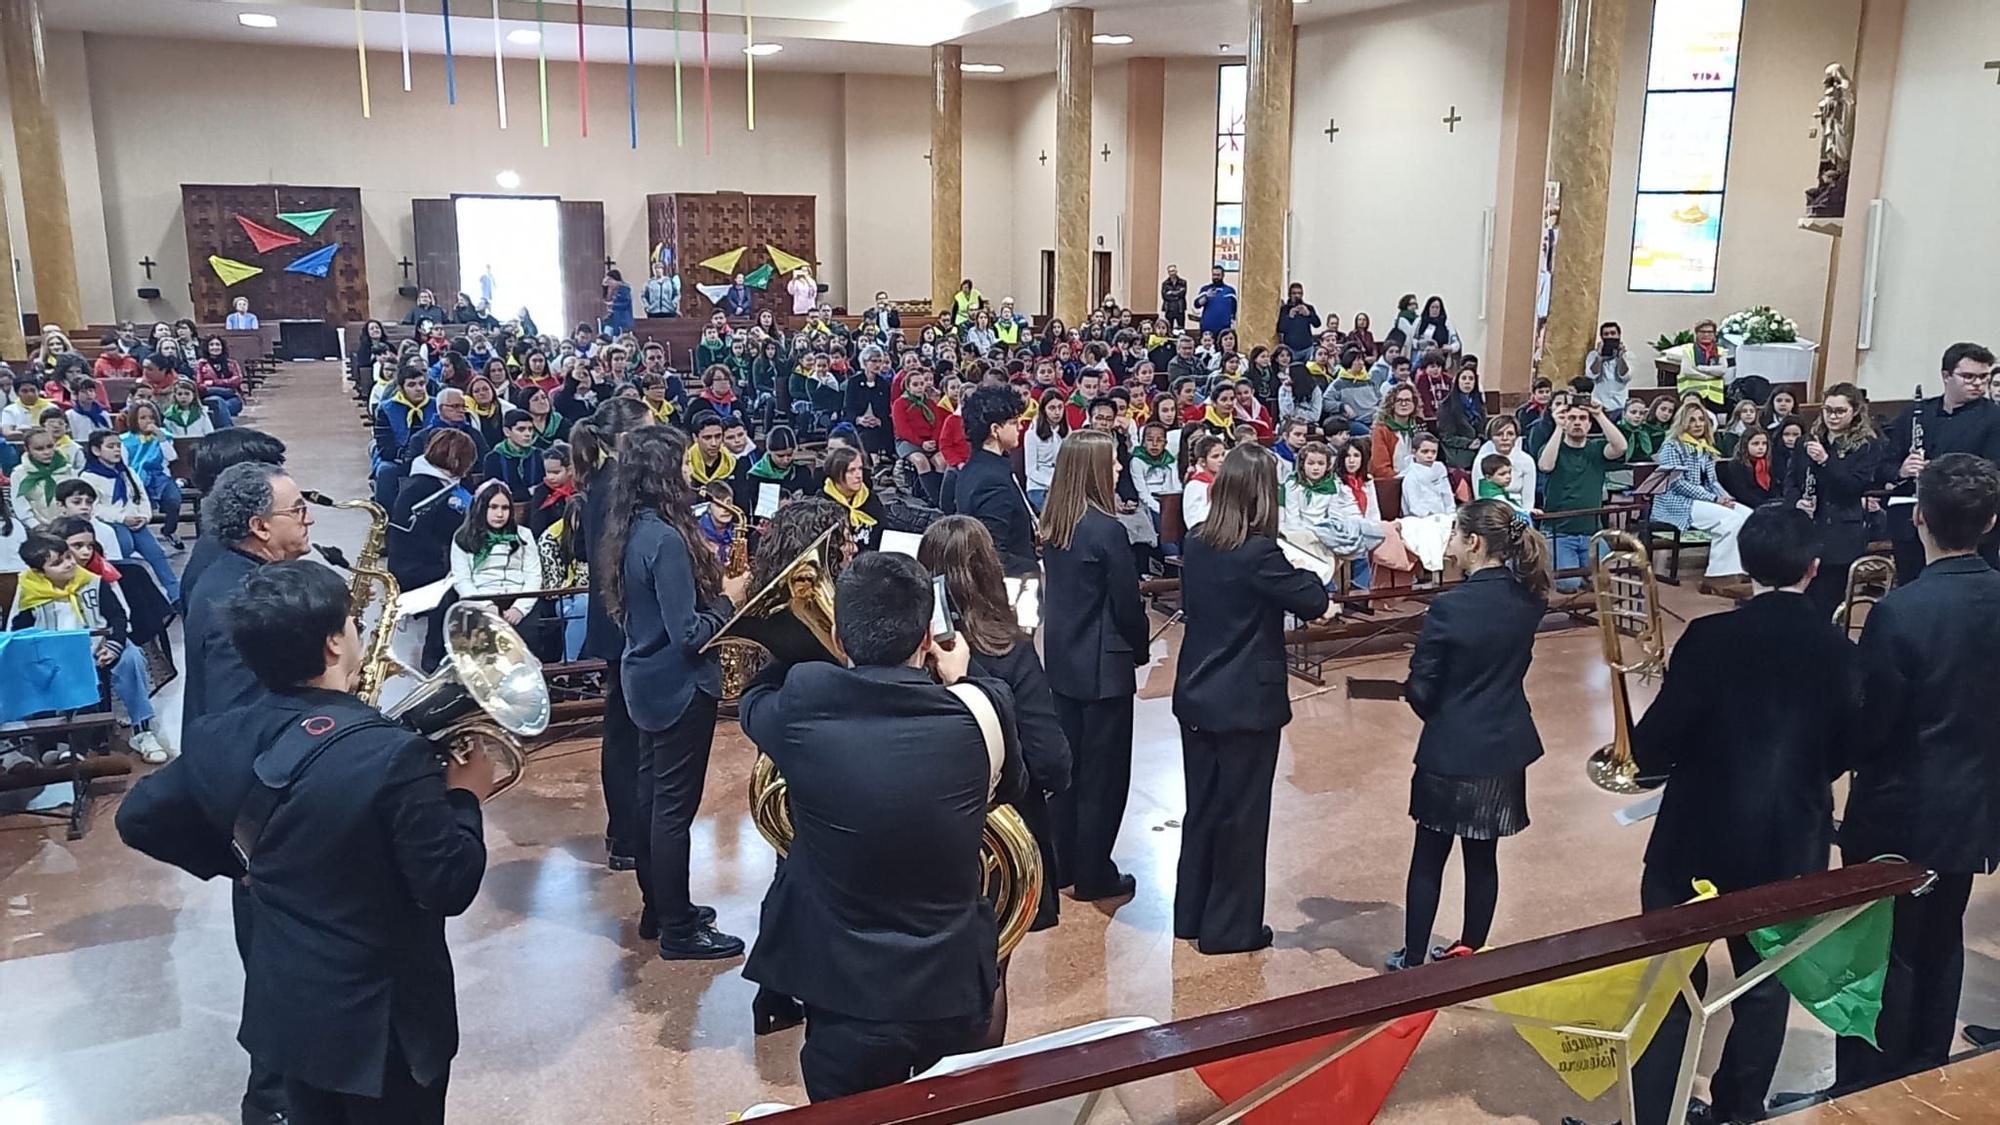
941,626
1608,349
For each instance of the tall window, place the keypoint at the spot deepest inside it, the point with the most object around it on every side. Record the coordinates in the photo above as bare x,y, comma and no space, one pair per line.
1684,145
1231,96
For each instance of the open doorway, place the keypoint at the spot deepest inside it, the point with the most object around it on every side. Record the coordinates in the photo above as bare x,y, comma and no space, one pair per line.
510,255
1100,276
1048,284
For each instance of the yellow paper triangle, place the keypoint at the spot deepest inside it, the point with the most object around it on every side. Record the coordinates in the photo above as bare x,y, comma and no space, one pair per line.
786,263
725,262
232,271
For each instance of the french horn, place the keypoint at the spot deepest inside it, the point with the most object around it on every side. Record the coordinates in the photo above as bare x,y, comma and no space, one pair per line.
791,619
1628,609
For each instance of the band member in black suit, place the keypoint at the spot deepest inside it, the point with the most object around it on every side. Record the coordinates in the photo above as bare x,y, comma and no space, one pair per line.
1479,736
1095,635
959,548
1960,420
1928,763
876,921
667,591
1841,459
1749,800
358,845
594,445
985,487
1230,695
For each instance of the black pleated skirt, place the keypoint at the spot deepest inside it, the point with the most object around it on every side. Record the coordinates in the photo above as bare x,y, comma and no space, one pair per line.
1477,808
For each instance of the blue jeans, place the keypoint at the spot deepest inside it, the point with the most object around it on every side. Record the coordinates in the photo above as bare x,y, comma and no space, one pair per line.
1357,428
388,478
165,493
574,613
128,683
141,541
1040,496
1360,570
1570,551
1167,550
222,410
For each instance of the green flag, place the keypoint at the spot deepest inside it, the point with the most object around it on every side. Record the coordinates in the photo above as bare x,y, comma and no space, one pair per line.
759,277
1838,980
307,221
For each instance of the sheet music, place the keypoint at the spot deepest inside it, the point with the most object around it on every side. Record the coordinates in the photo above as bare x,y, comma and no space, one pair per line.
1321,568
1643,809
1025,595
767,500
900,542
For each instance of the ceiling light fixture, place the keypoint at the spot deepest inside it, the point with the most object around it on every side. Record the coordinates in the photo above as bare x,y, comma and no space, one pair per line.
508,179
256,19
762,50
982,68
1111,40
525,36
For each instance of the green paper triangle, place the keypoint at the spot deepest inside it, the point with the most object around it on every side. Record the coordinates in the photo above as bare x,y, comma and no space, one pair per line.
759,277
307,221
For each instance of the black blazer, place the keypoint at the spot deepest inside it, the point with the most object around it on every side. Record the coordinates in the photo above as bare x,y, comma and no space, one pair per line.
602,637
1749,795
1044,748
985,489
1740,482
1231,675
217,679
1094,626
426,513
666,625
1465,677
1838,486
877,911
1927,771
858,397
350,884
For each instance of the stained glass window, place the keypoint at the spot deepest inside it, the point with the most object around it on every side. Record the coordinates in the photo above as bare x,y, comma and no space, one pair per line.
1684,145
1231,97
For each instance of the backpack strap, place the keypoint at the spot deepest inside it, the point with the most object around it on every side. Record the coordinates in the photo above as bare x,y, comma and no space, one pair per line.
988,718
280,766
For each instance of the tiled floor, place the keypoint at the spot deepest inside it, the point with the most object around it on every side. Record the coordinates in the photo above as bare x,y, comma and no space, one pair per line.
120,985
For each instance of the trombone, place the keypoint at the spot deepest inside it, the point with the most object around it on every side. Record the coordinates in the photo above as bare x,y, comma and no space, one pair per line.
1628,609
1868,579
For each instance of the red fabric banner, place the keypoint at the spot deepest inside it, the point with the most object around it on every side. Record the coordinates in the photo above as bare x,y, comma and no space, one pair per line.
1349,1090
264,238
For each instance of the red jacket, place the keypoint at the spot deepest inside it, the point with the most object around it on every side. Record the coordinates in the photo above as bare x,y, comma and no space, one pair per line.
911,424
230,378
952,445
114,364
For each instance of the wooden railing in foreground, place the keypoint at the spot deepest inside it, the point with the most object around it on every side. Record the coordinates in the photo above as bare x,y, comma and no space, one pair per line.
1168,1048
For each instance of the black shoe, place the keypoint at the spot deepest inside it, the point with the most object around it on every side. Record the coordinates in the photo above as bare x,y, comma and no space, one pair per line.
1699,1113
1125,887
1981,1036
772,1012
622,863
1263,941
703,943
649,923
258,1115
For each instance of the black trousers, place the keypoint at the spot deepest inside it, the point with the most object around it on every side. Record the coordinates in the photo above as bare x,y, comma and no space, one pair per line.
1088,815
1920,994
1219,888
264,1093
618,768
1749,1057
1034,810
403,1101
848,1055
673,766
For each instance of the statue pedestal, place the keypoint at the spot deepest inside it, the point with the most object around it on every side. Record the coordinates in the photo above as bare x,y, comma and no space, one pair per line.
1832,227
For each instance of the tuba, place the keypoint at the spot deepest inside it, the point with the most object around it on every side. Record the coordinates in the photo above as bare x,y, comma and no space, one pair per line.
1628,608
790,620
1868,578
489,693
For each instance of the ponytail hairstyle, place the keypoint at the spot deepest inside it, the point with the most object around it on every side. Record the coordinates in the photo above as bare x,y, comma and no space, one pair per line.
593,440
651,477
1510,540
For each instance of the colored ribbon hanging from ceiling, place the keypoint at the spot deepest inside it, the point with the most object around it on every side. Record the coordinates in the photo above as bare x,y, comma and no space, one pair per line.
749,66
499,71
542,69
403,33
707,94
450,63
582,76
680,126
361,57
631,77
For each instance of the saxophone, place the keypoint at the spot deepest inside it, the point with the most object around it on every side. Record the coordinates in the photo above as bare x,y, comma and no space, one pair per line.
740,658
369,572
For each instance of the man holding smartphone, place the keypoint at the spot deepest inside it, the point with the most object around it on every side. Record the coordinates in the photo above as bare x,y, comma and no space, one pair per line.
1609,369
876,921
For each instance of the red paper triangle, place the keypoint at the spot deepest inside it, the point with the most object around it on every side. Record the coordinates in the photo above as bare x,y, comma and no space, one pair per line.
1349,1090
264,238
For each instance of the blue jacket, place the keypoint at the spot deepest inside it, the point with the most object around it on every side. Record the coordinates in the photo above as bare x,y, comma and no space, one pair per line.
620,317
1220,310
666,626
148,459
395,421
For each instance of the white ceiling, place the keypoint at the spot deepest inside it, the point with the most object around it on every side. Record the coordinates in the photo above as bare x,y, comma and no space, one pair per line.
828,36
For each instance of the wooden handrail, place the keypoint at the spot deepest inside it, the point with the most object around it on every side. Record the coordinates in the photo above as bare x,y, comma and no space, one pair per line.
1067,1071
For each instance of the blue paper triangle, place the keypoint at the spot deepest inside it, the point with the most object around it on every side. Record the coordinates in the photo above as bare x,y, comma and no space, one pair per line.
316,263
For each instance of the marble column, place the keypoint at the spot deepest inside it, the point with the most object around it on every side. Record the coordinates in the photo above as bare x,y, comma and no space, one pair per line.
1073,63
1267,170
44,188
12,343
1583,113
1145,148
1524,157
947,173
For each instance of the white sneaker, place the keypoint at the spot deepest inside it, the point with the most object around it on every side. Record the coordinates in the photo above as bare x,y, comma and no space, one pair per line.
147,745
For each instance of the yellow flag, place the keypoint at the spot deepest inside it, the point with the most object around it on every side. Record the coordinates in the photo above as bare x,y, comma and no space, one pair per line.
786,263
1602,998
232,271
725,262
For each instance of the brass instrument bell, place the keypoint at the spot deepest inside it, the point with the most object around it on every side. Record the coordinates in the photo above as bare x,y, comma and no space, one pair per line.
1628,609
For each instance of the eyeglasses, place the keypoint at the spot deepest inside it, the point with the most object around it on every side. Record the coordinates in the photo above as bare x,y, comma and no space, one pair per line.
296,511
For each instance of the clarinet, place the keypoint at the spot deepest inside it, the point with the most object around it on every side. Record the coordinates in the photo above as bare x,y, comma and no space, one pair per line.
1811,494
1917,422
